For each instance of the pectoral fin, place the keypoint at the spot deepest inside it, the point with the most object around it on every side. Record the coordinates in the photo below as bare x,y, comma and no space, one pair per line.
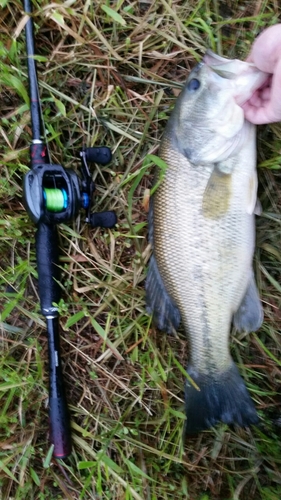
258,208
150,221
249,316
253,206
165,313
217,195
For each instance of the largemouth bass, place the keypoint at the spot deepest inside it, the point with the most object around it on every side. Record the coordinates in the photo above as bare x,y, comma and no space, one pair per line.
202,230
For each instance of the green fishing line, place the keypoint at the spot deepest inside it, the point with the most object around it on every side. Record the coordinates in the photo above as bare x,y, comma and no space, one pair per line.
55,199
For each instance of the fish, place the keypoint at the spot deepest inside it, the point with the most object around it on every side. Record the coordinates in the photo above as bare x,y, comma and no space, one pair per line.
202,233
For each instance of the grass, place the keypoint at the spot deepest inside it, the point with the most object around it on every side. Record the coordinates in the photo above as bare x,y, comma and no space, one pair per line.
109,74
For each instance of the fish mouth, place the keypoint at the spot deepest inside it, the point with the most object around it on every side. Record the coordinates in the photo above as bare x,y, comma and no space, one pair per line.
219,64
243,77
227,68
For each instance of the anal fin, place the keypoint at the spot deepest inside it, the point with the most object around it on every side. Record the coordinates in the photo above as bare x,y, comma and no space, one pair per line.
165,313
249,315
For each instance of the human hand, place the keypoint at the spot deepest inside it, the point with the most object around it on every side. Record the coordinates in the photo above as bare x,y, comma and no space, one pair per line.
264,106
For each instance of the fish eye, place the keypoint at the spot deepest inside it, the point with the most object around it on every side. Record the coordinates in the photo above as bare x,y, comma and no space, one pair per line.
194,84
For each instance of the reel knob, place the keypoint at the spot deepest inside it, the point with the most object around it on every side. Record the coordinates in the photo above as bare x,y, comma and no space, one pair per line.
101,155
103,219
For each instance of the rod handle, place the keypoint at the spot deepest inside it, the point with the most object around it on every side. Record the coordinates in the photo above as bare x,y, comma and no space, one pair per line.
47,257
60,434
60,431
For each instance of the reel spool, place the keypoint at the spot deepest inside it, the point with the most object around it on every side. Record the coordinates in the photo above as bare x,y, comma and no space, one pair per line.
55,200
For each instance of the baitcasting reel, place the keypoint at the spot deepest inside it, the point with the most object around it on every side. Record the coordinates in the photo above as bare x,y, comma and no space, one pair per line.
53,194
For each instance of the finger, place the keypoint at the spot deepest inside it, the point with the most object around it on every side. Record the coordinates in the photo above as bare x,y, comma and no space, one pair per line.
260,97
256,100
268,110
249,59
275,94
266,49
265,94
260,116
255,115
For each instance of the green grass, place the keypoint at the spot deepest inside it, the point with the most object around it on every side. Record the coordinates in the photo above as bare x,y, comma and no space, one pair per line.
111,77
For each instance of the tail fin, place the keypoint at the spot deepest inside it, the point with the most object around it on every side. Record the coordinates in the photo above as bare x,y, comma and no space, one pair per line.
222,397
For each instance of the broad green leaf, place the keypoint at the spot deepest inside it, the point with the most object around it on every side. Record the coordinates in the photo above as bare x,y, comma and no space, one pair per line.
60,106
12,81
58,18
8,472
8,385
135,184
34,476
184,372
8,309
134,468
40,58
86,465
158,161
75,318
267,351
114,15
177,414
47,461
104,459
103,335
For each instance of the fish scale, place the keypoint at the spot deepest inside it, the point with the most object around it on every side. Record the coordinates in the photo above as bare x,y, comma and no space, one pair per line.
209,267
202,228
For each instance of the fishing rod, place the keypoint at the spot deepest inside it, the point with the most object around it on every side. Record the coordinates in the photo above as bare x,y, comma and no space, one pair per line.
53,194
